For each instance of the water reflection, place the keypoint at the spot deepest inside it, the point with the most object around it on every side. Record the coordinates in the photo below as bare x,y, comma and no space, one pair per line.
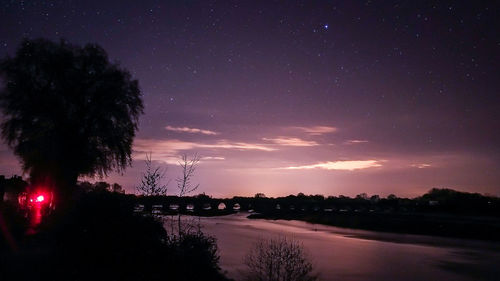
343,254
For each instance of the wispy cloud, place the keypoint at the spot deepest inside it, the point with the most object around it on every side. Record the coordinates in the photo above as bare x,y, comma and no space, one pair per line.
237,145
316,130
355,141
213,158
190,130
421,165
168,151
291,141
170,147
340,165
177,159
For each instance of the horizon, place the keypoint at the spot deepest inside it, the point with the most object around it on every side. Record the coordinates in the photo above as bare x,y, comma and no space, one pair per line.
320,98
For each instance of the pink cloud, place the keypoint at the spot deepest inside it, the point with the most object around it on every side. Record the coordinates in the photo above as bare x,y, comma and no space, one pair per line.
170,148
291,141
316,130
355,141
339,165
421,165
190,130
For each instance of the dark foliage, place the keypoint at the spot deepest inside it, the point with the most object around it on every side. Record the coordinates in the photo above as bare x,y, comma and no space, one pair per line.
13,185
100,238
152,180
193,256
278,259
68,111
439,212
436,201
13,225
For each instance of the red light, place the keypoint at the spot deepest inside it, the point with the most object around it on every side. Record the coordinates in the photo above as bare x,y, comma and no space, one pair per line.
40,198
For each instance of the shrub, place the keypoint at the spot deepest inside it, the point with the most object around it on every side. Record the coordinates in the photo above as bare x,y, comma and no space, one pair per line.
279,259
100,238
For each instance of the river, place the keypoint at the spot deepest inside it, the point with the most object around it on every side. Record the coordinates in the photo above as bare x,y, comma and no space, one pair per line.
355,255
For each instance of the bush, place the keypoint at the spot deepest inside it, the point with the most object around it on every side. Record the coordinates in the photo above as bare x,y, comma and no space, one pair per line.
100,238
13,225
193,256
278,259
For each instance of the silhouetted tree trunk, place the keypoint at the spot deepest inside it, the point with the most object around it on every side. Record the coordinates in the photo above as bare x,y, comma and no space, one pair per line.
184,183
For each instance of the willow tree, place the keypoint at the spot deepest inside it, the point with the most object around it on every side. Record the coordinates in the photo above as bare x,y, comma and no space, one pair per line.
67,111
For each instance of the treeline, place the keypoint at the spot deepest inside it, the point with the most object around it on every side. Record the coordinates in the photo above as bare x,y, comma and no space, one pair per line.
439,212
436,200
446,201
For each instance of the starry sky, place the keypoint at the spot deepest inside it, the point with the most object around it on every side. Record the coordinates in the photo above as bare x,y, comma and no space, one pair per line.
281,97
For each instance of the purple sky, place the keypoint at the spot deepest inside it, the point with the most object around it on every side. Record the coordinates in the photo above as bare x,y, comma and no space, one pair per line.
330,97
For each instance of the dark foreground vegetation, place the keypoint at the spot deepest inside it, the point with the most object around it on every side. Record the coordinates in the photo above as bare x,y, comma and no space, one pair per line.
100,238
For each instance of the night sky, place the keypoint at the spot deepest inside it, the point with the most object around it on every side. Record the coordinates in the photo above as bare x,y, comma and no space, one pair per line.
281,97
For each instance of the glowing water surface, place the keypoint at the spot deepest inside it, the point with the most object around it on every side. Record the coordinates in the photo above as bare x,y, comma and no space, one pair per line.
346,254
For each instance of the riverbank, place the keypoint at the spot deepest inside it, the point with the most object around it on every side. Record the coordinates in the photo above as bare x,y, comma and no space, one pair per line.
358,255
465,227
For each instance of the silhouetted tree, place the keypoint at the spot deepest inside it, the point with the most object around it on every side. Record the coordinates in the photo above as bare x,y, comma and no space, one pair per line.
85,185
260,195
375,198
101,186
188,167
14,185
117,188
68,111
279,259
151,182
362,196
184,182
392,197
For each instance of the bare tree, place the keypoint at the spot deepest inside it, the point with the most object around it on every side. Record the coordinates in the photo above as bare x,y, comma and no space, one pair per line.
188,167
151,181
184,182
278,259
